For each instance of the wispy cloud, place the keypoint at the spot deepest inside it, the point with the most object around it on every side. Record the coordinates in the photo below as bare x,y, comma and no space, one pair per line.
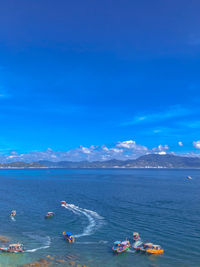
172,112
3,93
194,39
191,124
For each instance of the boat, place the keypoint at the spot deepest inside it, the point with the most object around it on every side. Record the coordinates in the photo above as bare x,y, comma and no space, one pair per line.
49,214
138,244
136,236
63,203
13,213
116,245
13,248
122,247
189,177
156,249
69,237
144,247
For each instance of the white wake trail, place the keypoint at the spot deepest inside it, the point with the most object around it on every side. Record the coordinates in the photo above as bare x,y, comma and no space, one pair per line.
95,220
45,240
35,249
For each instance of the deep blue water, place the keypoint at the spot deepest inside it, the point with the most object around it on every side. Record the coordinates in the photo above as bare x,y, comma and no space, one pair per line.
162,205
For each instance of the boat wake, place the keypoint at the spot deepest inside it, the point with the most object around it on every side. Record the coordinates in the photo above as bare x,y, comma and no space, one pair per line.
95,220
46,241
131,251
88,243
12,219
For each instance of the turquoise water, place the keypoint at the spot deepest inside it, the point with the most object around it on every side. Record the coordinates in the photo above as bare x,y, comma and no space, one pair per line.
106,205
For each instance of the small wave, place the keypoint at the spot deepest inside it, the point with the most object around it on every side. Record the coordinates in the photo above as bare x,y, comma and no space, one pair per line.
45,240
95,220
88,243
103,242
131,251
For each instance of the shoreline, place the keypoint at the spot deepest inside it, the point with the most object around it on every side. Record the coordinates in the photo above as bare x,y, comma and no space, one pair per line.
92,168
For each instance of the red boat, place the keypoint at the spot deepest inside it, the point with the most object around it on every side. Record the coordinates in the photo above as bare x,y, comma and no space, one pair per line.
63,203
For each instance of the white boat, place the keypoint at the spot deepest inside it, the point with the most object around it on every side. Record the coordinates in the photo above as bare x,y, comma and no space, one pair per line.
13,213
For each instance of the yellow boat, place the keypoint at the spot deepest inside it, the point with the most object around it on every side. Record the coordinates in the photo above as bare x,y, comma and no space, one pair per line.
155,249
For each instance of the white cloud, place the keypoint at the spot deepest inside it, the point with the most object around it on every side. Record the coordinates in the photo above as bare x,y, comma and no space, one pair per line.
180,143
127,144
122,150
162,153
165,147
105,148
161,148
85,150
196,144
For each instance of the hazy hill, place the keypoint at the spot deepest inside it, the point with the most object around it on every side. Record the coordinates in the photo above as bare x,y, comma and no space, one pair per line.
147,161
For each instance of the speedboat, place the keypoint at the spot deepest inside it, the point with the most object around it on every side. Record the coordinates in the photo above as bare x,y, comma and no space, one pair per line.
49,214
189,177
122,247
69,237
156,249
143,247
13,213
63,203
13,248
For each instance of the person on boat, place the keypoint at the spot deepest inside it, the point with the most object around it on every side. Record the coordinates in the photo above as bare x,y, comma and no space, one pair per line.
136,236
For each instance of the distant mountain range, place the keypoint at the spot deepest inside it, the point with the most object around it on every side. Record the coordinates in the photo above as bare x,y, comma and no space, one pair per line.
147,161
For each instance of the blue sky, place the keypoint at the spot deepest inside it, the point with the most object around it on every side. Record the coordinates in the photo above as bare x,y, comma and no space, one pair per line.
94,73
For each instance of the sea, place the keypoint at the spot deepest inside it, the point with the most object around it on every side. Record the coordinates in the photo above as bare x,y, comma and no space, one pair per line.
104,205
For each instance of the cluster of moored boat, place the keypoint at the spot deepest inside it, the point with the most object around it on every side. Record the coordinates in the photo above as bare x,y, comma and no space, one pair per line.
138,245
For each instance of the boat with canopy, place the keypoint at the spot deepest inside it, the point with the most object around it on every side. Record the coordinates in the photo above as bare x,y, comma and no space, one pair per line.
69,237
13,248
